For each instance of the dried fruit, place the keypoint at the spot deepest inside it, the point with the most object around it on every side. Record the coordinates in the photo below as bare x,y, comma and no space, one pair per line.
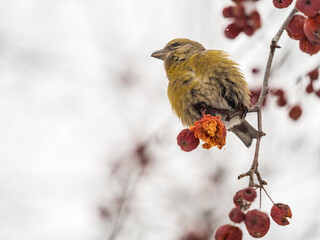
282,3
249,194
295,112
236,215
228,232
295,27
187,141
280,212
257,223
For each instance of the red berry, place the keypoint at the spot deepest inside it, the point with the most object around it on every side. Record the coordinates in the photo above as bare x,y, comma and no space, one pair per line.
249,194
238,11
312,29
257,223
238,1
282,101
308,47
314,74
187,141
236,215
277,92
227,12
295,112
295,27
255,19
232,31
308,7
309,88
238,198
228,232
282,3
249,30
255,70
280,212
241,22
318,93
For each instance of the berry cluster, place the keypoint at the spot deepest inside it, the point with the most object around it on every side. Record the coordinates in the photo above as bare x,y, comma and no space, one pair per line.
295,111
209,129
257,222
312,76
242,20
306,28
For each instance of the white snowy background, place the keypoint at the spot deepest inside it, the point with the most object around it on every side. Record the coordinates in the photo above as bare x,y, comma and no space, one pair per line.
79,94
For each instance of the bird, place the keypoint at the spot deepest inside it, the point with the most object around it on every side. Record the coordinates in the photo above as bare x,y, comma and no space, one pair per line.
204,81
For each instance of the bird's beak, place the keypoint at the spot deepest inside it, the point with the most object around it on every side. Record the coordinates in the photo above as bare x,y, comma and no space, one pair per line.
160,54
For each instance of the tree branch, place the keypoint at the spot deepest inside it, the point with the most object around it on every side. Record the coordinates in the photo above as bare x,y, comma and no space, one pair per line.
254,167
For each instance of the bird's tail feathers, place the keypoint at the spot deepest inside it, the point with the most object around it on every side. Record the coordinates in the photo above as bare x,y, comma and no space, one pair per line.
245,132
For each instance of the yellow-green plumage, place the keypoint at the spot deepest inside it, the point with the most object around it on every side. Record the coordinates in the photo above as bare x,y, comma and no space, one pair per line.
208,78
200,78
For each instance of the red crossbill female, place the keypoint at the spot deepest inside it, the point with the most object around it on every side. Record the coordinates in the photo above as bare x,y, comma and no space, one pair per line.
206,81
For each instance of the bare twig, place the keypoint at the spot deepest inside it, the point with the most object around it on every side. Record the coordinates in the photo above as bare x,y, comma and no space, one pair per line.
254,167
127,192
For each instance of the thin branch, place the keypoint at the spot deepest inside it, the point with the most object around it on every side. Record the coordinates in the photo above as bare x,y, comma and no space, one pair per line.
125,196
254,167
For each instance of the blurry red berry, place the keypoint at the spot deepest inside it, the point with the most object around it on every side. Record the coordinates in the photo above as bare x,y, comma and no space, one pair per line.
312,28
308,7
228,232
280,212
241,22
255,19
295,112
249,194
187,141
255,70
277,92
232,31
227,12
314,74
318,93
282,3
309,88
257,223
308,47
282,101
195,235
295,27
238,11
238,198
236,215
249,30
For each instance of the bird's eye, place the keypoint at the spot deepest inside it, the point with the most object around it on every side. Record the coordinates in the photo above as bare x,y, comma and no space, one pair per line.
175,44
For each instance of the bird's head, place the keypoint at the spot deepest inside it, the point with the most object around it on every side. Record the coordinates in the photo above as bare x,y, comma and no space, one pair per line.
178,49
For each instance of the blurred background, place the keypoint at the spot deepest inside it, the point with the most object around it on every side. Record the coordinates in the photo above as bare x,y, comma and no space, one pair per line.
88,139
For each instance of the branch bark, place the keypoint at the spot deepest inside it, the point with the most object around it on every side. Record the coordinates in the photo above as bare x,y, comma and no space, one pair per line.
273,46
